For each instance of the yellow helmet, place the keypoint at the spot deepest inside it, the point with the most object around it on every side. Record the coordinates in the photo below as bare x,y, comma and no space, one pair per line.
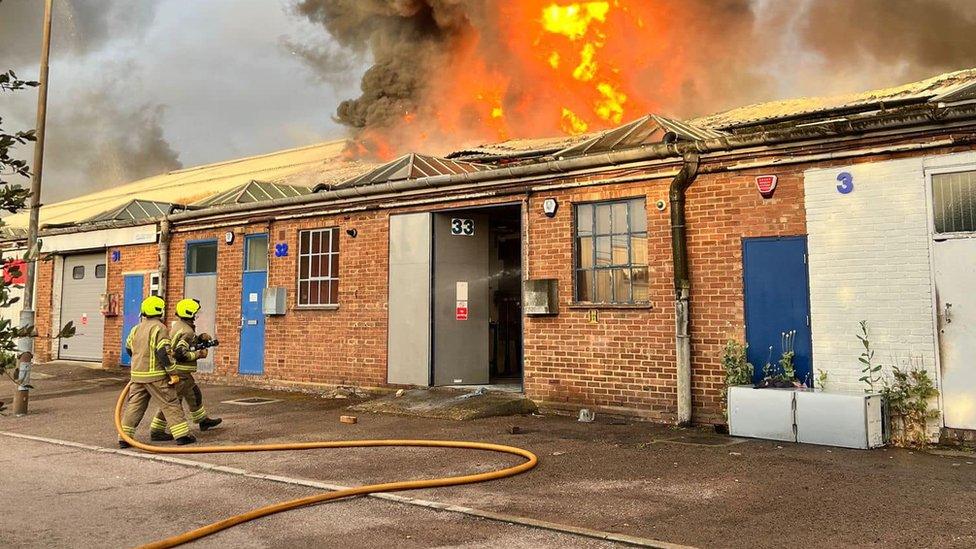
187,308
153,306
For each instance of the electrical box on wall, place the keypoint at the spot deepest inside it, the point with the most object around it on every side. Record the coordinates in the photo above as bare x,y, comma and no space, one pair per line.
110,304
541,297
275,300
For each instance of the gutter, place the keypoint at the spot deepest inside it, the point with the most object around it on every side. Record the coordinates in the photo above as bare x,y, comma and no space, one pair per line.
682,282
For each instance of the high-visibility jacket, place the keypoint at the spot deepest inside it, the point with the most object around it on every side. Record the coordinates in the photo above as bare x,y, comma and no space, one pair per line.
183,335
149,345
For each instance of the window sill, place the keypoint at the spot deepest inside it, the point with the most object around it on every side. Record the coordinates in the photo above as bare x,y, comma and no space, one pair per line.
584,306
315,308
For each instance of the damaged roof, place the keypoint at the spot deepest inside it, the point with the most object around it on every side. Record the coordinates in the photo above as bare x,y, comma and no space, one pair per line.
408,166
948,87
648,129
253,191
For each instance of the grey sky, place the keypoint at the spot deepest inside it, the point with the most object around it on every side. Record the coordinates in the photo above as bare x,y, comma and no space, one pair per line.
142,87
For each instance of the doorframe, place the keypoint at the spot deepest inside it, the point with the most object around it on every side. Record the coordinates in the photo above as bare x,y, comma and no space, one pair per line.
745,302
934,291
245,271
523,205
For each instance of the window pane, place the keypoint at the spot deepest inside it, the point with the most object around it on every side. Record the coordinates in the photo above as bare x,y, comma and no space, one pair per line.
620,254
313,293
603,251
333,292
638,249
954,202
202,258
257,253
604,289
639,281
304,237
584,219
303,267
100,270
638,215
334,271
303,293
316,242
602,219
619,217
584,252
335,240
78,272
316,267
584,285
621,285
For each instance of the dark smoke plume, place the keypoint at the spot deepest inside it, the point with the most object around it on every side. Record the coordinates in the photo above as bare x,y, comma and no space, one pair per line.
736,51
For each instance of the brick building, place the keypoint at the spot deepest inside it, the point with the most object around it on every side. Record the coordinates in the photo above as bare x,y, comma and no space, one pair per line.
549,266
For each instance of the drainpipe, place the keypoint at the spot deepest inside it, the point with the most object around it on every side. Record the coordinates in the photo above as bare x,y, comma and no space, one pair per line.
164,237
682,283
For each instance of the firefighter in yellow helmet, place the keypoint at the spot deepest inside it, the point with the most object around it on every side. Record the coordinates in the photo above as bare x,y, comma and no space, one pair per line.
184,340
153,374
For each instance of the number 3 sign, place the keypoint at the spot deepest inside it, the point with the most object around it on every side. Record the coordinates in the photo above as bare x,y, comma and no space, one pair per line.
462,227
846,182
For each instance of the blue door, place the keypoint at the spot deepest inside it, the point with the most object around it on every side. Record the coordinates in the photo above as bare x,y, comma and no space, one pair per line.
254,281
131,302
777,301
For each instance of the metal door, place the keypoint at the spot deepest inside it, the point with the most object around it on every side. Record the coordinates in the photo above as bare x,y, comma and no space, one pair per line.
777,300
461,299
409,300
131,302
955,272
255,279
82,285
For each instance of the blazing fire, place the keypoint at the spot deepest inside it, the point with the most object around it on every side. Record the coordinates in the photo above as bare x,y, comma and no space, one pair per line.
542,68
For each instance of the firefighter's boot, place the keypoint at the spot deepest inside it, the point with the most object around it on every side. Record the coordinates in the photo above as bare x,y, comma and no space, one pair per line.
160,436
185,439
210,423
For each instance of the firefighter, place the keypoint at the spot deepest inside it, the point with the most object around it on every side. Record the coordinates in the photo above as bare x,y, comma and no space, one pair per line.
184,338
153,374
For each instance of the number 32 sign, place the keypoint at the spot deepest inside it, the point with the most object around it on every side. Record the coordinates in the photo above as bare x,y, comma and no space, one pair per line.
462,227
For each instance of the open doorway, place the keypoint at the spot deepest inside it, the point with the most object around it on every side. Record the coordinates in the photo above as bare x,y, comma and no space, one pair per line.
477,297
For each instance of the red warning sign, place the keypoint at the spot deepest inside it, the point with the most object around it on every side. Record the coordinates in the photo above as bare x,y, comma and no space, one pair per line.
461,311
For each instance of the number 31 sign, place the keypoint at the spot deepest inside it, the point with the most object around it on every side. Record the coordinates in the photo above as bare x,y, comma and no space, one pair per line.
462,227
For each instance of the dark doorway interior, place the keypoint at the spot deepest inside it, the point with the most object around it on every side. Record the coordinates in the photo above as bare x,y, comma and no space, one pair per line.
505,294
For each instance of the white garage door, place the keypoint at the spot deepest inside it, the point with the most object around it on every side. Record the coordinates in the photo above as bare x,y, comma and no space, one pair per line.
81,289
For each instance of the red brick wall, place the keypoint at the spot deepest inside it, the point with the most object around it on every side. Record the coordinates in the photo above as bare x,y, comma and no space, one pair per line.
135,259
42,305
625,360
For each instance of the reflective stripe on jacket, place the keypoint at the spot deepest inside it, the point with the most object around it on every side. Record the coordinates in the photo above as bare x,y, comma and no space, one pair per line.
150,347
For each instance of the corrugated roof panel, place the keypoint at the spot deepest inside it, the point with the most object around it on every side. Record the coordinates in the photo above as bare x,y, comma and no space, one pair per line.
253,191
408,166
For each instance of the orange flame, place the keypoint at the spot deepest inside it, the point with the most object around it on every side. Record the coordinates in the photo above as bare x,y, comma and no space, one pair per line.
545,68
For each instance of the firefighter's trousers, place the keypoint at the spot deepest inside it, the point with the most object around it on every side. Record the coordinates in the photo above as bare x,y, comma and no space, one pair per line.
164,396
188,391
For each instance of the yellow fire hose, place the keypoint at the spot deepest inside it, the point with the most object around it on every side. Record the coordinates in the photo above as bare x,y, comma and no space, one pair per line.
203,531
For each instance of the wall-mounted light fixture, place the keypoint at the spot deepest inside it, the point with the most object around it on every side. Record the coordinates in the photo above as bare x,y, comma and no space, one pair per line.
549,207
352,232
661,205
229,237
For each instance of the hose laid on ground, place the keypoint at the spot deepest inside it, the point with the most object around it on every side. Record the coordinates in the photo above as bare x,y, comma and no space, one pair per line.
186,537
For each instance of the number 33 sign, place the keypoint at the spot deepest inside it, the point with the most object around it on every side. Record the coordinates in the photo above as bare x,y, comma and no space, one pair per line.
462,227
846,182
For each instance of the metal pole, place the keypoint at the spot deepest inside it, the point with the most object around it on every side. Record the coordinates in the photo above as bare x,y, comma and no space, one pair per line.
26,344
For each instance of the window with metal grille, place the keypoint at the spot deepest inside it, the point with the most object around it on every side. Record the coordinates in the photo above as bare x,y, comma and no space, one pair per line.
611,252
954,202
318,267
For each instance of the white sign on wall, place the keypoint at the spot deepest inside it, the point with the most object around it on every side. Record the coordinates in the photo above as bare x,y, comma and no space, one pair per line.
462,227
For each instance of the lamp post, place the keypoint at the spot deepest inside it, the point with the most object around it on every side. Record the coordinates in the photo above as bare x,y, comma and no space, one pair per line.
26,344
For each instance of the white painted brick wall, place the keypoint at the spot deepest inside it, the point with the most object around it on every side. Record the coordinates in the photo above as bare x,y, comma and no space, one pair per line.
869,260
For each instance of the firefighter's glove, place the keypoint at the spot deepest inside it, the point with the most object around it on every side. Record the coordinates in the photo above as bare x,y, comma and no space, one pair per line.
202,353
174,380
204,338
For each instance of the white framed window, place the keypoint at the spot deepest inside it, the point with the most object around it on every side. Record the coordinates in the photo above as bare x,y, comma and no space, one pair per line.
954,202
318,267
611,252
